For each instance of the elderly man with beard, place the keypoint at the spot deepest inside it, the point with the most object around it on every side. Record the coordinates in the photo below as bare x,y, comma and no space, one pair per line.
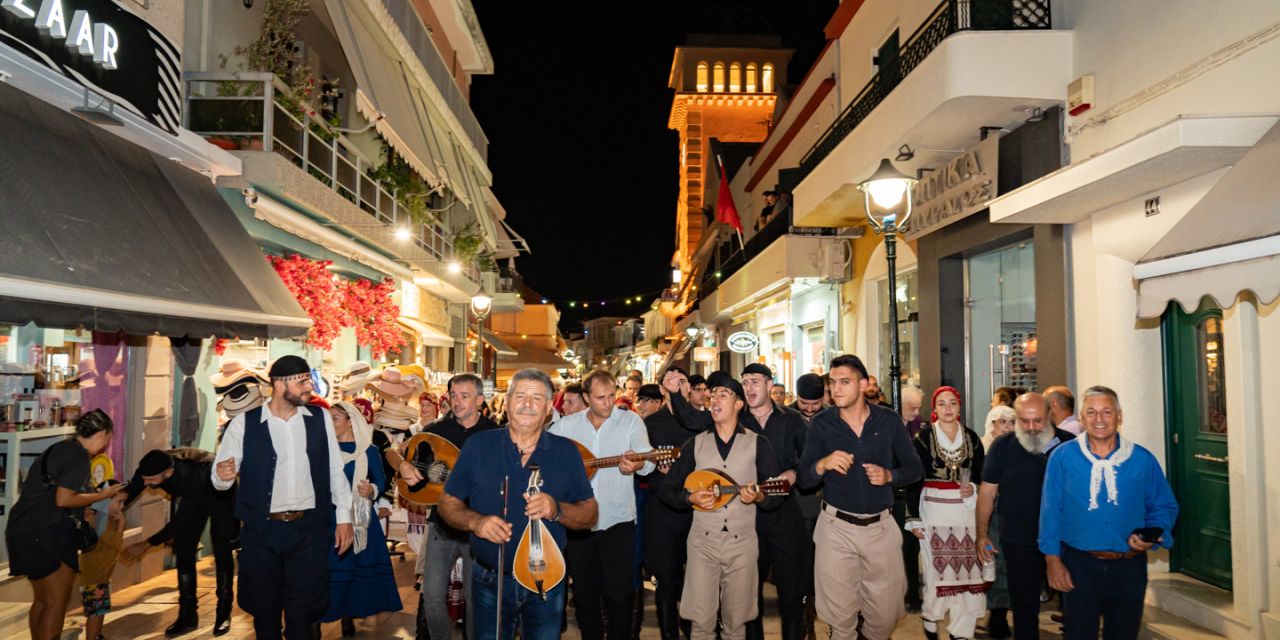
1014,470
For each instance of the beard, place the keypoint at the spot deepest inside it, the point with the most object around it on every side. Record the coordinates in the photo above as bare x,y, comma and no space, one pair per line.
1034,443
298,400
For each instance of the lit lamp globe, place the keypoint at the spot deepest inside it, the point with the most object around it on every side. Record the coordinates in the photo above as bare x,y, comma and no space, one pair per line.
481,304
692,331
885,193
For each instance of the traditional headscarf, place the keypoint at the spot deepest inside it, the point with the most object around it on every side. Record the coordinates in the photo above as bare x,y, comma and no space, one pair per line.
365,407
933,416
364,439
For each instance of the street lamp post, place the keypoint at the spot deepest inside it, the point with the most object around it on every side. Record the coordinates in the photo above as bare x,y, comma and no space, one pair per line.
885,193
481,305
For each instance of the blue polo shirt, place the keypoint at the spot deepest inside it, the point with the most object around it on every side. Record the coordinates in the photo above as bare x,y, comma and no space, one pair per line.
490,456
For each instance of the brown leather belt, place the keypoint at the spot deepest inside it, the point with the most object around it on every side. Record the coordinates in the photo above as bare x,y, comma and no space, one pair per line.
287,516
1114,555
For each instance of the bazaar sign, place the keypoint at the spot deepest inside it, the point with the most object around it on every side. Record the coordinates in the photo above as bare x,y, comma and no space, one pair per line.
743,342
955,190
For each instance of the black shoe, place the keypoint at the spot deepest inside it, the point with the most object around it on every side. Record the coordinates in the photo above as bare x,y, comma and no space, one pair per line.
348,627
226,598
188,620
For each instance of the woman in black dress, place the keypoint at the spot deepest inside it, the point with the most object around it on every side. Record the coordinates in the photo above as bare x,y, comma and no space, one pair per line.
41,532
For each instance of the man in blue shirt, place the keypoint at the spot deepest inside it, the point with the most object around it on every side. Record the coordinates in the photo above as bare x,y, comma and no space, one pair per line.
1105,504
473,502
603,577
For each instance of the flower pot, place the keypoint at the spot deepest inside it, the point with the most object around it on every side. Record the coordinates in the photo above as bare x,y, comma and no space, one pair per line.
251,144
222,143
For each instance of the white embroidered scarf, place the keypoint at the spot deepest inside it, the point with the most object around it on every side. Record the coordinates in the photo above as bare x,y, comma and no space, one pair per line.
364,439
1104,471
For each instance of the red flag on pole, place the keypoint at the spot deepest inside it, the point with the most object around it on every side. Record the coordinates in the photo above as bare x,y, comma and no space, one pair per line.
726,212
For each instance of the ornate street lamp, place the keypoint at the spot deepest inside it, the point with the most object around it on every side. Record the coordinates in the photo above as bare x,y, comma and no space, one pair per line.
887,194
481,305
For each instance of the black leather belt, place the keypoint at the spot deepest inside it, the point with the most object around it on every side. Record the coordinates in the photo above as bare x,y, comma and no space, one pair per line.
287,516
861,521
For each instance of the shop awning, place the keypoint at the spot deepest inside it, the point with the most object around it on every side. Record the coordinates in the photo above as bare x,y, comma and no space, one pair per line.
98,232
430,336
531,356
1228,243
503,349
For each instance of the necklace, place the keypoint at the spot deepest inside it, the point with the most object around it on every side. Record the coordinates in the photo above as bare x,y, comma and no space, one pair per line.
952,460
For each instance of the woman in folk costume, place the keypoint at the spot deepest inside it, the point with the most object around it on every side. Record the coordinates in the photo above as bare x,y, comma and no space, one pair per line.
361,581
941,513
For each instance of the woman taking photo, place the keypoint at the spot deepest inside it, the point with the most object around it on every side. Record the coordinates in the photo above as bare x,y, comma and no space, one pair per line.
361,581
41,536
941,512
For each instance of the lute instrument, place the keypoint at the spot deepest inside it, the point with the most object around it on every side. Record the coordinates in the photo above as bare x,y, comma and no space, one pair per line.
660,456
434,457
725,489
539,565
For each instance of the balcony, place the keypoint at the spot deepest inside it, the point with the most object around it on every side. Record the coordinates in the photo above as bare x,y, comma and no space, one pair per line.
970,64
253,115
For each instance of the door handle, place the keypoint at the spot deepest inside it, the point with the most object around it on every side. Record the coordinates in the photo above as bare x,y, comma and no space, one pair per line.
1208,458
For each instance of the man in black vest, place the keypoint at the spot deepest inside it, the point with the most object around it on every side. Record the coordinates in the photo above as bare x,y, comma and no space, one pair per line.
292,491
185,475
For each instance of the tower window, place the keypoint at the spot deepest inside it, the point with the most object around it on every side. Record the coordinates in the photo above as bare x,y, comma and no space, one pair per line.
717,78
702,77
735,77
766,78
751,77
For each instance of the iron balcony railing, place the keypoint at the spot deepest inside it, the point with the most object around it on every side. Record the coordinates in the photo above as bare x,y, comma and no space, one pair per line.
951,16
245,111
406,17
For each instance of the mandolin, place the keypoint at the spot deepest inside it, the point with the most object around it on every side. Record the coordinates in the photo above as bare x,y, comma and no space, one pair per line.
661,455
725,489
539,565
434,457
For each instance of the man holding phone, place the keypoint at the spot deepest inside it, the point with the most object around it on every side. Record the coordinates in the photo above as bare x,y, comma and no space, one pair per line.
1106,503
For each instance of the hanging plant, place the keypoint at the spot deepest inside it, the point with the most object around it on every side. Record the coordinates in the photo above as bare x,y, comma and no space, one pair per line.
412,192
467,242
276,48
319,293
370,310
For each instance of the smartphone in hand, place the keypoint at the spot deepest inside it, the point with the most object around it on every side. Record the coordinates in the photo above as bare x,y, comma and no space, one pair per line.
1149,535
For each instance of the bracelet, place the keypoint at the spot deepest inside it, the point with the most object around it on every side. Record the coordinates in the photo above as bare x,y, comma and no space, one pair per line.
557,516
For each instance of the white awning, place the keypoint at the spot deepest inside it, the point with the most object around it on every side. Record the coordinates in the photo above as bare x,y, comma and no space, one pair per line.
1228,243
431,336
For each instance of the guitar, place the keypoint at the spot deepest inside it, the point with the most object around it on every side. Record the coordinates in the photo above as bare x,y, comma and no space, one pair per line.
539,565
661,455
435,468
725,489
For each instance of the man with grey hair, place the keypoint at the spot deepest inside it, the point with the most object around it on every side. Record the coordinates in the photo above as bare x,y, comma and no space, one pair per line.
1062,409
1014,470
1105,504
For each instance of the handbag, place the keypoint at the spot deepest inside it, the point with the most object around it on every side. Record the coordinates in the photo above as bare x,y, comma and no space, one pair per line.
85,536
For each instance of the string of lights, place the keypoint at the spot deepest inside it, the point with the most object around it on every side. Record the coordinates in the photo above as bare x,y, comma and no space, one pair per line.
633,300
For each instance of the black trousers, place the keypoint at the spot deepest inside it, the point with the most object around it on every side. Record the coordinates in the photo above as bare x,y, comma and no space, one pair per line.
910,550
601,566
189,518
284,568
784,544
1024,567
1106,591
665,531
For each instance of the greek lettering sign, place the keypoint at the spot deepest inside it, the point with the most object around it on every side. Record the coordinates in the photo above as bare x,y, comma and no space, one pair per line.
104,47
955,190
743,342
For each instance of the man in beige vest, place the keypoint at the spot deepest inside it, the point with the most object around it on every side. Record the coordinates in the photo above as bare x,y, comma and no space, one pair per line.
721,571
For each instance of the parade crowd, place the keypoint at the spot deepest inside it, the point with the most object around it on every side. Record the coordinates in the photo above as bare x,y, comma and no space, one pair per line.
709,487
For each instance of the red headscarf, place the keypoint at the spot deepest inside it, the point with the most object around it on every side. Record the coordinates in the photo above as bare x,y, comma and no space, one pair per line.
365,407
933,402
319,402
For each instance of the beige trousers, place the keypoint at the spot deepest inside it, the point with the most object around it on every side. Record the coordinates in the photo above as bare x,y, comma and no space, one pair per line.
859,570
720,576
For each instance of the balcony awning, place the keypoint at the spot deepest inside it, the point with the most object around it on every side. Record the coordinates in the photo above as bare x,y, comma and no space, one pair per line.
101,233
1228,243
386,93
430,336
503,349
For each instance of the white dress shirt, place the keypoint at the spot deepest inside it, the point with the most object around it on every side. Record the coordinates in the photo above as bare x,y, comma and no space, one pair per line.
1071,425
620,432
292,490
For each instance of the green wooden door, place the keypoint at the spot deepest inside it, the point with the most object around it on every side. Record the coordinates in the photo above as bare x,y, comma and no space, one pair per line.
1196,424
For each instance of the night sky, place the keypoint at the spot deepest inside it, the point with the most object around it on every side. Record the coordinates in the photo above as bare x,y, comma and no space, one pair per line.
576,116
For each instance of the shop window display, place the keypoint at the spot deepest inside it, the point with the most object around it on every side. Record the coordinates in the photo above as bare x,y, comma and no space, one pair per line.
908,328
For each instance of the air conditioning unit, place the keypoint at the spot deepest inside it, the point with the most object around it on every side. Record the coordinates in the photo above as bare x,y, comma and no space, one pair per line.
835,256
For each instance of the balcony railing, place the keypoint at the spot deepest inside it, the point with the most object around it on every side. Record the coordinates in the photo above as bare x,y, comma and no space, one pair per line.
406,17
246,111
951,16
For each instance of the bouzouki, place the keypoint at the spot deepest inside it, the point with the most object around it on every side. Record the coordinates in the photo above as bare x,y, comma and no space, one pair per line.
539,565
660,456
725,489
435,469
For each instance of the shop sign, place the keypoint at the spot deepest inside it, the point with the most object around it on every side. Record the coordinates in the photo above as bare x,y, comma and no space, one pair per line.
959,188
103,47
743,342
704,354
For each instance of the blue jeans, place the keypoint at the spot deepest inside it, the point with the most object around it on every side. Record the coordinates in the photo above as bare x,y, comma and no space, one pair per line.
1107,591
540,620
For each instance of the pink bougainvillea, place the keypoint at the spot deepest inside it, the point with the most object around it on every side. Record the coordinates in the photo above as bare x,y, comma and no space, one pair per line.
333,303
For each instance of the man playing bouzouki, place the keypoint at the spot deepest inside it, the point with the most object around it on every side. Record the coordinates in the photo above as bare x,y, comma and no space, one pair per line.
474,501
721,571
